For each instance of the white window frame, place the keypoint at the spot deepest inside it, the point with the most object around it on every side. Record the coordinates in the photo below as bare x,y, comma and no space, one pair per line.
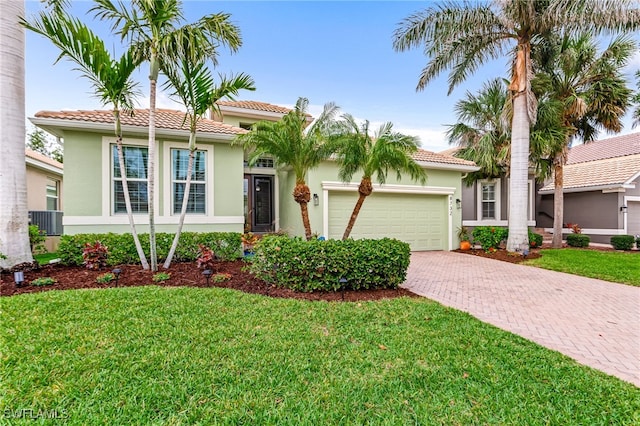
167,182
55,197
113,178
497,201
193,182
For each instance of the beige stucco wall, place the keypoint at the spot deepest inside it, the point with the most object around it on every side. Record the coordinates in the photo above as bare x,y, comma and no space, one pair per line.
37,188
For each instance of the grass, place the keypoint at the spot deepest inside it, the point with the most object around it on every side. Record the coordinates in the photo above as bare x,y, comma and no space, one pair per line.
619,267
184,356
44,258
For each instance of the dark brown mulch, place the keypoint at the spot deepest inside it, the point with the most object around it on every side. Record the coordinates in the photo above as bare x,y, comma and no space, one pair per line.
182,274
502,254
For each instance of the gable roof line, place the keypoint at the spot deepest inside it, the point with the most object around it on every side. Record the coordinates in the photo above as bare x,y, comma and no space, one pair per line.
40,161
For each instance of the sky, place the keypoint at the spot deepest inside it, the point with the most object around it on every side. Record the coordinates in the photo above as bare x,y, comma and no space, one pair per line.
326,51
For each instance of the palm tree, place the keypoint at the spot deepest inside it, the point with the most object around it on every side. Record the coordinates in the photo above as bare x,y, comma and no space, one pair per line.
194,86
291,143
462,36
482,130
592,92
386,150
14,235
636,100
155,30
110,78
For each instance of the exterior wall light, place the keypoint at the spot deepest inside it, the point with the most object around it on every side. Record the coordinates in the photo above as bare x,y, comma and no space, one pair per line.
623,209
316,200
458,203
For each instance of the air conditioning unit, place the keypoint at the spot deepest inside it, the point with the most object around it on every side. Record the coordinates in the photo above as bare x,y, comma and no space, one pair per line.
49,221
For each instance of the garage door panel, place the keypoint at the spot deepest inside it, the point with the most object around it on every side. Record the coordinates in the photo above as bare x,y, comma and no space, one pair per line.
420,220
633,217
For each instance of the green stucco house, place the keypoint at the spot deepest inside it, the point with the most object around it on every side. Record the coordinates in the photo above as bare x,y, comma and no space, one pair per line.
226,195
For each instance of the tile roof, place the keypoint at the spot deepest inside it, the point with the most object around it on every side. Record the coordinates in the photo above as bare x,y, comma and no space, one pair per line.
434,157
165,119
618,146
254,105
609,172
42,158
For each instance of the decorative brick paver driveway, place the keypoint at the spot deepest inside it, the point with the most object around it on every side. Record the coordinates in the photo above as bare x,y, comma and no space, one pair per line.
595,322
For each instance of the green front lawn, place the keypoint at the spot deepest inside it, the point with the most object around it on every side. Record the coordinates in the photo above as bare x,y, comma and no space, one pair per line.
44,258
151,355
619,267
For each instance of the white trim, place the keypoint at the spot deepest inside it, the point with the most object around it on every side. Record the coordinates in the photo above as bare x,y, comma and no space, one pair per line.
399,189
250,113
44,166
447,166
592,231
143,219
325,212
492,223
168,188
497,200
260,171
626,200
53,124
450,222
631,179
615,187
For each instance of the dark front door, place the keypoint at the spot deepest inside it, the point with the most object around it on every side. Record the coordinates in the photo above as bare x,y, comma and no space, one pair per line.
259,211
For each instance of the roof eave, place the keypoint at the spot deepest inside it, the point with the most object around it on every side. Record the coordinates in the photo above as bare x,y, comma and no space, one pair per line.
606,187
43,166
446,166
57,126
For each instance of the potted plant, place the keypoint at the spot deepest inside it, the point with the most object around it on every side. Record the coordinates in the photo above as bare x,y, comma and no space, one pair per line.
463,236
248,240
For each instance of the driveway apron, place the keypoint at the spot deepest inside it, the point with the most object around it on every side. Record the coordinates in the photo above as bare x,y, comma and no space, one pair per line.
595,322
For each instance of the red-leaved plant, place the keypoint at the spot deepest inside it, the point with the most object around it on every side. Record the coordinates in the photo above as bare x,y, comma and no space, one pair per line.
575,228
206,257
94,256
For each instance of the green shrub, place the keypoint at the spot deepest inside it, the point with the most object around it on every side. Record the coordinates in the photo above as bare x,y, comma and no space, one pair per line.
331,265
638,242
535,240
622,242
161,277
122,250
36,238
578,240
489,237
42,281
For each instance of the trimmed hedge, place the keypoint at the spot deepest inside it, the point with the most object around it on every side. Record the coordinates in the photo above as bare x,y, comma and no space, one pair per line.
578,240
489,237
622,242
638,243
319,265
122,250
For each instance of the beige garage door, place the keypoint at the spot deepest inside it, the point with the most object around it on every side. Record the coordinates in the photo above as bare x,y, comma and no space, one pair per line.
633,217
420,220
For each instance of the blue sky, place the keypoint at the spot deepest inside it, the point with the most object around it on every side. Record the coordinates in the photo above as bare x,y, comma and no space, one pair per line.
338,51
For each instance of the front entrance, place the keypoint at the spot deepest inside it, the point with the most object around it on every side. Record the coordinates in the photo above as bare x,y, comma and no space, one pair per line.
258,203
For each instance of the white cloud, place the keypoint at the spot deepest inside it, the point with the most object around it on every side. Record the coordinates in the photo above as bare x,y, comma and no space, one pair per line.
430,139
162,101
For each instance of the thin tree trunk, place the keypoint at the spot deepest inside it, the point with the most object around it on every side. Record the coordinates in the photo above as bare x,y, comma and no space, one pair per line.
305,220
354,216
127,198
518,180
151,174
14,230
183,211
558,206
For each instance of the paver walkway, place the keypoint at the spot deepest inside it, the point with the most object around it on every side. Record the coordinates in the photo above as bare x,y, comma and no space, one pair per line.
595,322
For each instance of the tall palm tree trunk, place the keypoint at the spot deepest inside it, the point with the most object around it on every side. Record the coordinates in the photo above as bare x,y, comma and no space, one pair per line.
183,211
305,220
364,189
302,195
354,216
127,198
518,180
14,232
151,169
558,205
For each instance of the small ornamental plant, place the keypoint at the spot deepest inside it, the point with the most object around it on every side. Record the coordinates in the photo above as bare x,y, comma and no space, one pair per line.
220,278
206,257
94,256
42,281
105,278
161,277
248,239
575,228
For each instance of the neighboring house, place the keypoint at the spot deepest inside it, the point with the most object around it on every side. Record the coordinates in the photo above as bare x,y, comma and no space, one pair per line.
601,189
44,195
226,195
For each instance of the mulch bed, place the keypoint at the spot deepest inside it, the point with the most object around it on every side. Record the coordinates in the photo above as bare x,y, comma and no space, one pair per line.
502,254
182,274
